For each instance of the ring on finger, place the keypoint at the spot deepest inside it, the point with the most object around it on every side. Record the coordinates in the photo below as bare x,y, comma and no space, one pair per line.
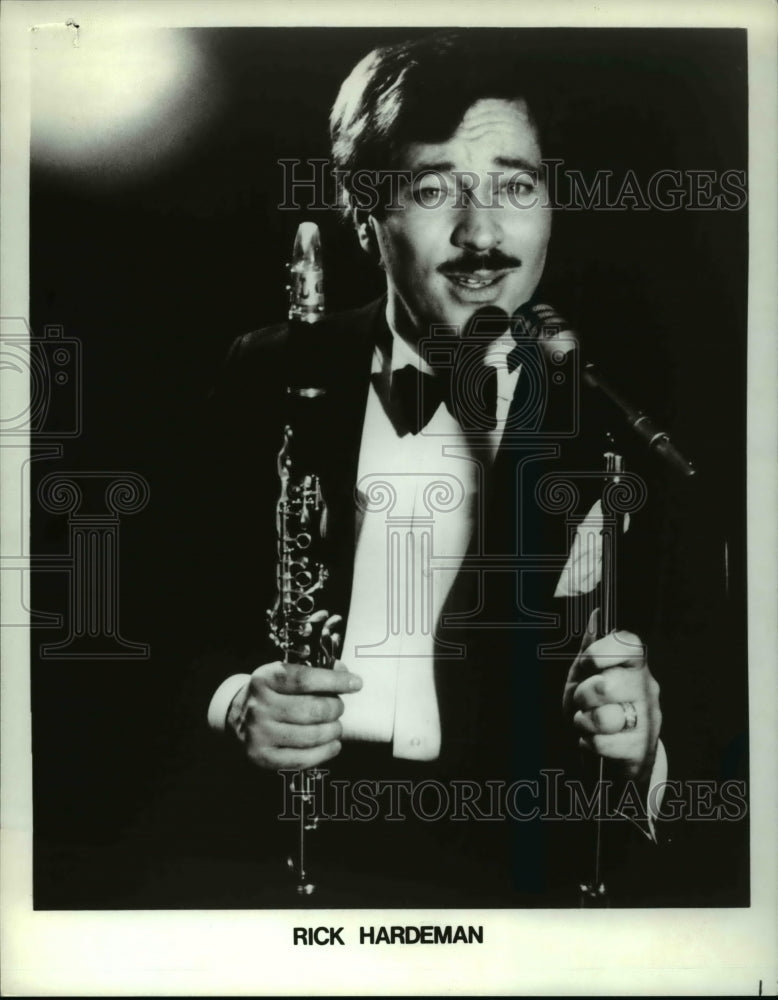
630,716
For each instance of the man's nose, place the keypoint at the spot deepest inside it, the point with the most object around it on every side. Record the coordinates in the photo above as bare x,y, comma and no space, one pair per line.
477,228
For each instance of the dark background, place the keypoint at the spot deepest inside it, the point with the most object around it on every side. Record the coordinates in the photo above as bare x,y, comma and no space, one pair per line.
156,273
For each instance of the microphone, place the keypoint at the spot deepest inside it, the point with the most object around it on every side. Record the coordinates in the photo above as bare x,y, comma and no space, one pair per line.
554,333
657,440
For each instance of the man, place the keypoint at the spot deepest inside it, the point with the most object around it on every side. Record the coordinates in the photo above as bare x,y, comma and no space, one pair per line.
439,153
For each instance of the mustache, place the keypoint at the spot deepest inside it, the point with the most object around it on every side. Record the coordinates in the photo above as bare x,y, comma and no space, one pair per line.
494,260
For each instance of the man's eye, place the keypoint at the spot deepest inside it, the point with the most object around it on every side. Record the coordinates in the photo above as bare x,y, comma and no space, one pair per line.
431,194
524,184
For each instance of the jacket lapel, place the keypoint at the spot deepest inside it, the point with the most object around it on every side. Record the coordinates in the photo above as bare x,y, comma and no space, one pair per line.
347,378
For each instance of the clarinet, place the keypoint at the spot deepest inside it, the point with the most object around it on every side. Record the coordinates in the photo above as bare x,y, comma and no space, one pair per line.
299,625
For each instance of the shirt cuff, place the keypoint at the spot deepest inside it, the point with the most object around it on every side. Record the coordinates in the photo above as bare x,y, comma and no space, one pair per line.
657,780
222,699
658,777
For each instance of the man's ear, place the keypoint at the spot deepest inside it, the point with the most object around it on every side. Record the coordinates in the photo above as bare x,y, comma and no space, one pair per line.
363,223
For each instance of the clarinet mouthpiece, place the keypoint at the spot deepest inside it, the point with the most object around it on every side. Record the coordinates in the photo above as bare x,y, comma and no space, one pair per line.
306,292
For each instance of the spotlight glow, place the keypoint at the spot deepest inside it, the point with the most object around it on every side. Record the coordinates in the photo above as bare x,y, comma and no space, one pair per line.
115,100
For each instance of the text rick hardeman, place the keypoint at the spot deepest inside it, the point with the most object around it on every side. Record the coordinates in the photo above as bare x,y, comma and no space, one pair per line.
394,934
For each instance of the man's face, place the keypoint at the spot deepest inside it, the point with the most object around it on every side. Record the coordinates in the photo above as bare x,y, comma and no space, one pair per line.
448,252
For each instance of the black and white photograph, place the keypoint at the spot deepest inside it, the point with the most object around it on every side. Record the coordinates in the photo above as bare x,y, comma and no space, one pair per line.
390,558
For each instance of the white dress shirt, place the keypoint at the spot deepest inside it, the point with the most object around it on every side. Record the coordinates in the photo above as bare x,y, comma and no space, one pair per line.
418,495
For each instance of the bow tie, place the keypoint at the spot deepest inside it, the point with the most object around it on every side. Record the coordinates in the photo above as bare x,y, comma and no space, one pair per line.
469,393
468,388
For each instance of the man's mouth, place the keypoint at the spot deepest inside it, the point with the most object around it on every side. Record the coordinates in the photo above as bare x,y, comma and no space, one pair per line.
476,280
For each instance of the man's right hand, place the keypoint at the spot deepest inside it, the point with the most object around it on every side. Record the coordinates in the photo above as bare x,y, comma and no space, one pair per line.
287,715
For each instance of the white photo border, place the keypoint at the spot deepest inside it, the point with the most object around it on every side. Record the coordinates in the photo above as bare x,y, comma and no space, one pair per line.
192,953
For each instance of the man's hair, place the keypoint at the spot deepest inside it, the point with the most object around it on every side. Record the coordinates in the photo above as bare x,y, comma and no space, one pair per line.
419,91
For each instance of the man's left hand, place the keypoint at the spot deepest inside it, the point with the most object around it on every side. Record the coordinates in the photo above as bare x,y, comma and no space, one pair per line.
613,701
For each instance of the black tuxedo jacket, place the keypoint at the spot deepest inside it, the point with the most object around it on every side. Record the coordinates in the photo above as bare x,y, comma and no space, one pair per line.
504,643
